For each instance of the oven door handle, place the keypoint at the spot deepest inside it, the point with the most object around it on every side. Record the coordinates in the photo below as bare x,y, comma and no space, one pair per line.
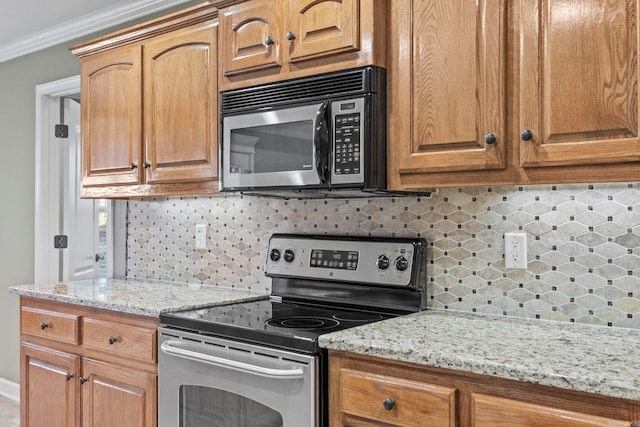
287,374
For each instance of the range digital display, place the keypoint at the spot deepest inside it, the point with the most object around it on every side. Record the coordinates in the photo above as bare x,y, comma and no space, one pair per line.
341,260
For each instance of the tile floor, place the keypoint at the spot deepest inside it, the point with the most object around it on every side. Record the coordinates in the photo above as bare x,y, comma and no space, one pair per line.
9,413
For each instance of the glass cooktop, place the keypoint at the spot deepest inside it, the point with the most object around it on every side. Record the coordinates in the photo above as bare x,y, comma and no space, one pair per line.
288,325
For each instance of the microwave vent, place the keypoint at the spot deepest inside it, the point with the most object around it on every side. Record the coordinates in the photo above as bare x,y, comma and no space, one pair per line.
340,84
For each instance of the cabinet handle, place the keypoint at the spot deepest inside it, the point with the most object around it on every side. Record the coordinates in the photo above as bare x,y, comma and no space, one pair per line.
69,377
388,404
490,138
133,166
290,36
82,380
526,135
268,41
113,340
44,326
146,165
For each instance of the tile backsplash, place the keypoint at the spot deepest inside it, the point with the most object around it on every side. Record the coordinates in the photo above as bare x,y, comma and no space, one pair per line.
583,244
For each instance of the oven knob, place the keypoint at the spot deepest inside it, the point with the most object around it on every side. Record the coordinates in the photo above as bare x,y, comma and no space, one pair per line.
401,263
288,255
274,255
383,262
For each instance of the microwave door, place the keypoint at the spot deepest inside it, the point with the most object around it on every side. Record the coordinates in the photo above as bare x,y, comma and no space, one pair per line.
276,148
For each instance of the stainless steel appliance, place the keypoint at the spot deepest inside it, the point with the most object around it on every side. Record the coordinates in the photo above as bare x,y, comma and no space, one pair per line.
258,364
325,133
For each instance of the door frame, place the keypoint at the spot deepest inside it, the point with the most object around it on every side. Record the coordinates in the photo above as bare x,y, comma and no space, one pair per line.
44,265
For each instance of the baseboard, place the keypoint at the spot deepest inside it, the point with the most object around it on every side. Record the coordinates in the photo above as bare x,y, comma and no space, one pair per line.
10,389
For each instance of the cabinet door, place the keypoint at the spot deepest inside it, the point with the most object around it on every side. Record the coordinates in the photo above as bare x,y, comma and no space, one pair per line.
111,117
322,28
181,107
117,396
579,81
489,411
447,86
49,389
251,34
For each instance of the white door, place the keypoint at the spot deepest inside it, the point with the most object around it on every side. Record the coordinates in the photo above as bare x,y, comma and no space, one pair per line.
87,223
80,217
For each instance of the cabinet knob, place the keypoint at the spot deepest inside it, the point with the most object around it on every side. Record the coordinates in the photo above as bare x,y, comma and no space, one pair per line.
290,36
69,377
146,165
113,340
388,404
44,326
133,166
268,41
82,380
526,135
490,138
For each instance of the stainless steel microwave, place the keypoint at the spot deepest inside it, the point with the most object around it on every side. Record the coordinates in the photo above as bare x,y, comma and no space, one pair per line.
322,135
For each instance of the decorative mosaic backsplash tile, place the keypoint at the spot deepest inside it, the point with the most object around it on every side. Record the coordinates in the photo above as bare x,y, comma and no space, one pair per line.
583,244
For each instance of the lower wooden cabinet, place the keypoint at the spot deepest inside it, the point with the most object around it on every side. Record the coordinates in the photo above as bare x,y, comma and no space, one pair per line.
370,391
101,374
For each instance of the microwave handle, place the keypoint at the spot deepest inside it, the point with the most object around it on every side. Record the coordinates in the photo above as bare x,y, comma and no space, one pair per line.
322,143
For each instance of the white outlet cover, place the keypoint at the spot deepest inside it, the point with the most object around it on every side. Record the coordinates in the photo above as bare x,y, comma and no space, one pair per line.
201,236
515,250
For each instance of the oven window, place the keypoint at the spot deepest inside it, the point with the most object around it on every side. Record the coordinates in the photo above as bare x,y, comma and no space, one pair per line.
210,407
280,147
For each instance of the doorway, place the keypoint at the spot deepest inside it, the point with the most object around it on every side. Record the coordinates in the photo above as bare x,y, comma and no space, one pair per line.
75,239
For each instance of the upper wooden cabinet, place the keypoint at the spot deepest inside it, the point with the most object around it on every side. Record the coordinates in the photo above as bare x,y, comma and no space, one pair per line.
447,85
267,40
150,108
512,92
578,63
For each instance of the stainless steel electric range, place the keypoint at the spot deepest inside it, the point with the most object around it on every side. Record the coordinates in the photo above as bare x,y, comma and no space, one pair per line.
258,364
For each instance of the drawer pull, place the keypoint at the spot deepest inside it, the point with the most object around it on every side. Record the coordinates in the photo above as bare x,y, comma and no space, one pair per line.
113,340
44,326
388,404
82,380
69,377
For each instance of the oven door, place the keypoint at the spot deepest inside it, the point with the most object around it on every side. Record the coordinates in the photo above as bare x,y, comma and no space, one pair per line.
276,148
212,382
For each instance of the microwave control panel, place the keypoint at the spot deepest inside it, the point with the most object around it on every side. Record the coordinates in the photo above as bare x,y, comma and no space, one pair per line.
348,144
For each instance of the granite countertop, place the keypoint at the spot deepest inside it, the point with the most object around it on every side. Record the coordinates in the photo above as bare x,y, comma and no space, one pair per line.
587,358
147,298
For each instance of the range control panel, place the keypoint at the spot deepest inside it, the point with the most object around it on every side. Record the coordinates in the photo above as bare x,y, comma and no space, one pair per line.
382,261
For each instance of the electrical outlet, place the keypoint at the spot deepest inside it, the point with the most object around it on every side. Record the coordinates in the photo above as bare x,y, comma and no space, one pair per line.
515,250
201,236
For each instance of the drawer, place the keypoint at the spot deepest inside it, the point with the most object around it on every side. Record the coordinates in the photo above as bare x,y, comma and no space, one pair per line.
120,339
408,403
54,325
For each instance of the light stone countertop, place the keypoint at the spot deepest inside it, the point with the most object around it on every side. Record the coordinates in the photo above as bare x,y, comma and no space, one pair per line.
147,298
587,358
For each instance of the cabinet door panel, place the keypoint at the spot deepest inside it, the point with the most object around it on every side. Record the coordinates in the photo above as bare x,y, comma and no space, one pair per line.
489,411
322,28
48,395
244,29
117,396
579,81
181,106
111,117
447,82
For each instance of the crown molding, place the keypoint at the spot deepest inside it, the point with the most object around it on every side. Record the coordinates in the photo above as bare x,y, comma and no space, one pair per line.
82,26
